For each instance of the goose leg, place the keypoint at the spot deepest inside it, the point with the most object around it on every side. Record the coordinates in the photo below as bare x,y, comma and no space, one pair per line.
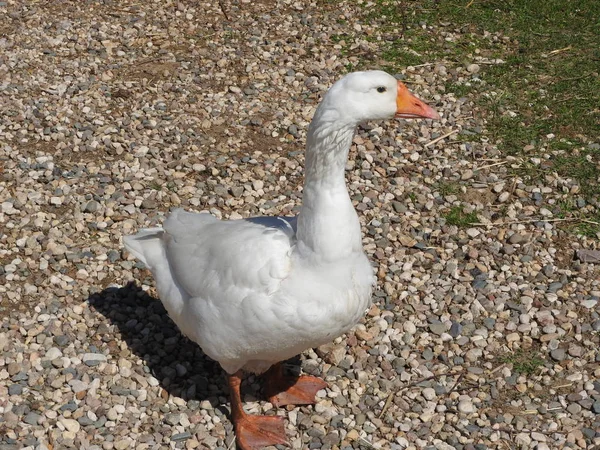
253,432
283,389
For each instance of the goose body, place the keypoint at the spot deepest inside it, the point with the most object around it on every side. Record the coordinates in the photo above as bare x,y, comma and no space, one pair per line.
245,291
258,291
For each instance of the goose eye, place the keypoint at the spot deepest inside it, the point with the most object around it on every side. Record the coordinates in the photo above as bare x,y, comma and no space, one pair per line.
381,89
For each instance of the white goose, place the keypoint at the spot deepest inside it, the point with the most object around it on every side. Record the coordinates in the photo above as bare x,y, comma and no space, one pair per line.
255,292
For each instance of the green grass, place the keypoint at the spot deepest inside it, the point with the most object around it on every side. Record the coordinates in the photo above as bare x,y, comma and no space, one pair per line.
404,57
457,216
524,362
459,89
549,83
448,188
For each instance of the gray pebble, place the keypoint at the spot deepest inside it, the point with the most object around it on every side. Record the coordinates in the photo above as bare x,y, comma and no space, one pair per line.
32,418
559,354
93,359
181,436
15,389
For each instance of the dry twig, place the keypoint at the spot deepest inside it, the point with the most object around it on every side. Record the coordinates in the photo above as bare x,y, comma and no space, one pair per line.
415,383
444,136
557,51
223,10
491,165
539,219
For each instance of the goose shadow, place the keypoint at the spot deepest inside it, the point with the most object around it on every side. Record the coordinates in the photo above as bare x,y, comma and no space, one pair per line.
178,364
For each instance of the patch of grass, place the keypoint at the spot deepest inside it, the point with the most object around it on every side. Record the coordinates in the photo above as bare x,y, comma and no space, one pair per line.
448,188
457,216
524,362
337,38
581,165
458,89
402,57
587,229
549,83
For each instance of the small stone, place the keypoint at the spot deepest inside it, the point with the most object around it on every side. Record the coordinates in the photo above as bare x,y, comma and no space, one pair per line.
84,421
93,359
71,406
363,335
473,232
173,419
181,436
553,287
539,437
407,241
15,389
92,206
467,175
122,444
455,329
588,433
78,386
575,350
352,435
113,256
426,416
513,337
3,341
149,203
399,207
409,327
589,256
559,354
473,68
473,354
518,238
466,407
429,393
574,408
32,418
523,439
438,328
549,337
70,424
589,304
340,400
61,340
333,354
112,414
502,198
53,353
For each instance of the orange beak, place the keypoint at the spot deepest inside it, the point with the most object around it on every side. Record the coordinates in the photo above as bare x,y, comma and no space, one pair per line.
410,107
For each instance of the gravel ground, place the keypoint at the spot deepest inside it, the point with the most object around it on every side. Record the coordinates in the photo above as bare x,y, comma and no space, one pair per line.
114,112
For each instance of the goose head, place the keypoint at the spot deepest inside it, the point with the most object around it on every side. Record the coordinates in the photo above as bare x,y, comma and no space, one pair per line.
373,95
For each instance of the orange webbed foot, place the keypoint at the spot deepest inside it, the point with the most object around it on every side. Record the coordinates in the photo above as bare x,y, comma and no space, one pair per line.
256,432
284,390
